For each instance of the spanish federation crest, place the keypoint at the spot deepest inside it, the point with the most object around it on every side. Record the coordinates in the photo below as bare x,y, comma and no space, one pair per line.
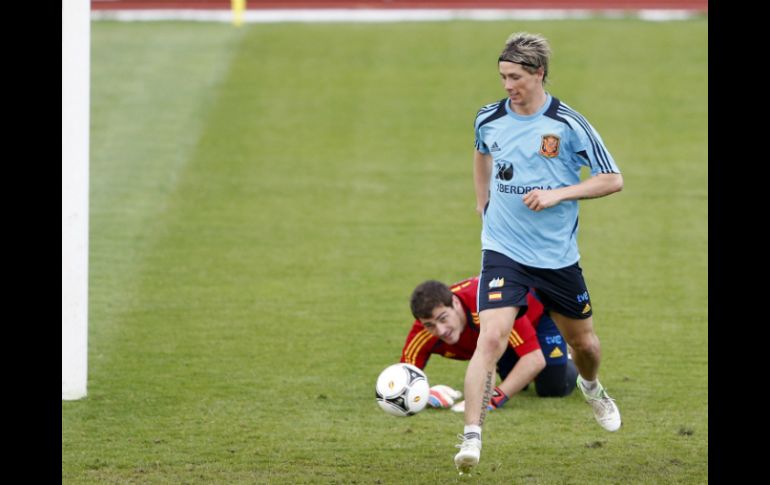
549,145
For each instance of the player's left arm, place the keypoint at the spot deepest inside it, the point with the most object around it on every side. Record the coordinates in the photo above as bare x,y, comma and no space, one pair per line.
593,187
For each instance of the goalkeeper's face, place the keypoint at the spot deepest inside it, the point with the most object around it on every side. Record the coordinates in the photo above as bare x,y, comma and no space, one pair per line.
447,322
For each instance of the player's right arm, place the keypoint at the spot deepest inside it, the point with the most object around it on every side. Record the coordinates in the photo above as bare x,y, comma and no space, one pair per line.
482,171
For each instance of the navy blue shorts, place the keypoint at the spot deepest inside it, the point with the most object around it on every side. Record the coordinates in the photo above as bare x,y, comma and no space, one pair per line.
504,282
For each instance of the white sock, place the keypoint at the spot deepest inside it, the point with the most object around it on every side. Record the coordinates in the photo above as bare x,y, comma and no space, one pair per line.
472,429
590,386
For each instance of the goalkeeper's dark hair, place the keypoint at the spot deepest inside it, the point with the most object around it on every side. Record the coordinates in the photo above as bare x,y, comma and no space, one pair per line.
427,296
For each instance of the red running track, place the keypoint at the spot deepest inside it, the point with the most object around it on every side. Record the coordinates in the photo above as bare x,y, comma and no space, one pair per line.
694,5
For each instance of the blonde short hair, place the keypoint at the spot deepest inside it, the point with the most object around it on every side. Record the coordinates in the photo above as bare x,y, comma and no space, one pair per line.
530,50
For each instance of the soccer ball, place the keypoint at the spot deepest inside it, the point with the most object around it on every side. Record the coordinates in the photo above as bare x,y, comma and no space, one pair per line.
402,390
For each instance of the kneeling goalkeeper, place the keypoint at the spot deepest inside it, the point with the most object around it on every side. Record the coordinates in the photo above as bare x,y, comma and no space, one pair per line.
447,323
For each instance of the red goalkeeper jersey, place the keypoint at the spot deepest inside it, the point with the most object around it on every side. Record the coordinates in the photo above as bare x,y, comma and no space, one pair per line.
420,344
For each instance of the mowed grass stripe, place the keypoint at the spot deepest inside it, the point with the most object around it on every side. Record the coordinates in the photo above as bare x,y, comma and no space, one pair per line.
151,89
152,86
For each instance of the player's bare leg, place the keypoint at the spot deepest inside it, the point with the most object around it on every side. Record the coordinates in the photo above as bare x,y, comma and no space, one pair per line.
587,354
496,325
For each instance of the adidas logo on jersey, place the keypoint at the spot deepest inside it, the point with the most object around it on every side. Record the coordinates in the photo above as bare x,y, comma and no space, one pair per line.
494,147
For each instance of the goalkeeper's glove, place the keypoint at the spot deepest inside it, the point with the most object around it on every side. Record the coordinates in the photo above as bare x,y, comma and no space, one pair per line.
498,399
443,396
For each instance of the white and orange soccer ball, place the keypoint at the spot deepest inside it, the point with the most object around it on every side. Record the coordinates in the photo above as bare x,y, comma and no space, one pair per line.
402,390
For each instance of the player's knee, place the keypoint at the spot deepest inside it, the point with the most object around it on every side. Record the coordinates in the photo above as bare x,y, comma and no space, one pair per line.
492,344
587,343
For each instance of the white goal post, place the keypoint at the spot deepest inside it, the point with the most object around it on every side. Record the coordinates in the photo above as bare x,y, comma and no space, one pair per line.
75,72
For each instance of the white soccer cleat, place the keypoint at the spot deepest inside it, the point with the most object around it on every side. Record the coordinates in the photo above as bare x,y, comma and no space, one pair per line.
469,454
605,410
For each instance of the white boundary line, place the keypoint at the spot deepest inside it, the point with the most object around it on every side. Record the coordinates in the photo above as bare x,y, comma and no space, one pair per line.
387,15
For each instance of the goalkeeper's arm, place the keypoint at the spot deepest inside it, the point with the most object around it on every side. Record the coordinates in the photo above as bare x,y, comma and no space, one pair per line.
524,372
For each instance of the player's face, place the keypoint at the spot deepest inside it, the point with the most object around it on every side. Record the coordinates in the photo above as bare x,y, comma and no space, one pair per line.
446,323
522,87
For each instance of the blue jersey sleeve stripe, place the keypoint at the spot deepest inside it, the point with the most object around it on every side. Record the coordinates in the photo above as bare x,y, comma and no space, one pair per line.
593,144
498,113
598,149
606,168
553,112
497,110
487,108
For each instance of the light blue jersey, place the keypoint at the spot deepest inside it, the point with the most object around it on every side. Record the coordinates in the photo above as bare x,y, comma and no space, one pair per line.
544,150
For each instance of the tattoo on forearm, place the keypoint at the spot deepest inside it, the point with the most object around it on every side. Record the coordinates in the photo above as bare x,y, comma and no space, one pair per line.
485,399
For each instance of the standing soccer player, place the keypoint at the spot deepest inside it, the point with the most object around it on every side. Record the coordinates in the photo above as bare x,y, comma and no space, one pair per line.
530,148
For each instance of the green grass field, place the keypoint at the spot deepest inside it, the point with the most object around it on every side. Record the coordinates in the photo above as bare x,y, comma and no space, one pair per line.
264,199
